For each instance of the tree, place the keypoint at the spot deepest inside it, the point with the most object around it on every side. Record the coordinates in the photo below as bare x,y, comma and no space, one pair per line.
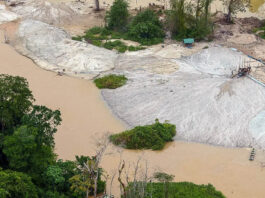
146,28
88,181
25,155
16,185
117,17
235,6
54,177
83,183
15,101
69,169
165,178
176,18
207,4
80,185
45,121
186,20
97,5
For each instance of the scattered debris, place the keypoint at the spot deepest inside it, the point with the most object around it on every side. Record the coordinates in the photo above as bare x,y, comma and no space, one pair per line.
243,72
252,155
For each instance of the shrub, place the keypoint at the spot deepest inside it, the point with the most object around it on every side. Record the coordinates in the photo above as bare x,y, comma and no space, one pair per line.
77,38
117,17
135,48
146,137
95,30
117,45
96,43
146,28
186,20
122,48
110,81
174,189
112,44
262,33
117,35
96,33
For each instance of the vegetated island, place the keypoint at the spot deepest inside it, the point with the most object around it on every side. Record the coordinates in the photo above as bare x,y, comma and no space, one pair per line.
153,136
110,81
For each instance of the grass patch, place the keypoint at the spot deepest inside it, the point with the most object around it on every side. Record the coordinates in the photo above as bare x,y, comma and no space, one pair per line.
177,189
262,34
101,37
110,81
152,136
77,38
117,45
135,48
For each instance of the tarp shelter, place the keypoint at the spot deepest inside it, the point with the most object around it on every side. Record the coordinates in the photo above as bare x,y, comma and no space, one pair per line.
188,42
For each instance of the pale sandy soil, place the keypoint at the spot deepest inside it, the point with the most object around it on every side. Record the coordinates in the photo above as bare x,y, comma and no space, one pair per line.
85,117
217,5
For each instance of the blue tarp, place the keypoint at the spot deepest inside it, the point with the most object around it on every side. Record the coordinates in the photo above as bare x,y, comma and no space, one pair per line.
188,41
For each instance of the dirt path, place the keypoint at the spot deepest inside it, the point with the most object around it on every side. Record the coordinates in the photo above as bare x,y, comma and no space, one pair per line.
85,117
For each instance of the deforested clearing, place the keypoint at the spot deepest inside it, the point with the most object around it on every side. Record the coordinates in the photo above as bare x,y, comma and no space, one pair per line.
161,102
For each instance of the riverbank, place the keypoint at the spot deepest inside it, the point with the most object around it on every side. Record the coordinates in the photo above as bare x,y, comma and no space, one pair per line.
86,117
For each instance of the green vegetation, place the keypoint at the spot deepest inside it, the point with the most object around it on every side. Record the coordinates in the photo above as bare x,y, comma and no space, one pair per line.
262,31
28,165
152,136
16,184
111,81
29,168
235,6
146,28
118,16
186,20
173,189
102,37
118,45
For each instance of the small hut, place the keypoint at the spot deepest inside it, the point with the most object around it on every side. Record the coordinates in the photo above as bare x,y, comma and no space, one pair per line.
188,42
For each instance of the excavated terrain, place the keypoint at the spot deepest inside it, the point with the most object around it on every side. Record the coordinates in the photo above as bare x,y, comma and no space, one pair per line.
191,88
201,99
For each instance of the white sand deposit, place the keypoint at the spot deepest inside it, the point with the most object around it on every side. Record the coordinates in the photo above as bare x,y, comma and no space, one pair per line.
206,106
52,48
41,10
216,61
6,16
257,127
194,92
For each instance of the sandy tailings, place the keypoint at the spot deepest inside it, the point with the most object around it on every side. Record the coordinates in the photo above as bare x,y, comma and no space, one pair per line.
75,16
5,15
85,117
53,49
201,99
194,92
41,10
